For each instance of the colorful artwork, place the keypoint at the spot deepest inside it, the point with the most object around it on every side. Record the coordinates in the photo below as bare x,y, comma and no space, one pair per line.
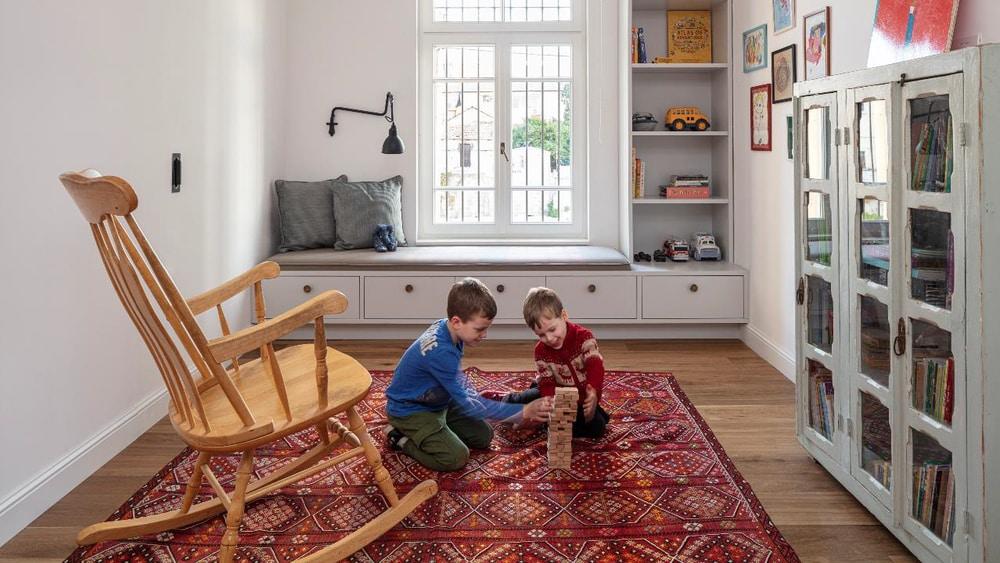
755,48
760,118
907,29
689,36
816,42
784,15
783,73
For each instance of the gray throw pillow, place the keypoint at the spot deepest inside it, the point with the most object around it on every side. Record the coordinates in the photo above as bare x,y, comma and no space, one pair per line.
360,206
305,210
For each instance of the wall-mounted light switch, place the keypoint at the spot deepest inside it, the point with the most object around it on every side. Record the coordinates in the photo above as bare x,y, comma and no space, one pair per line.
175,173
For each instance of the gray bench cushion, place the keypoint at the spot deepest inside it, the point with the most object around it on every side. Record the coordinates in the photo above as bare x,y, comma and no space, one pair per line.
456,257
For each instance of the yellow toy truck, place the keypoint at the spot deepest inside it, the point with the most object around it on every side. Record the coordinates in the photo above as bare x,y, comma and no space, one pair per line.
680,118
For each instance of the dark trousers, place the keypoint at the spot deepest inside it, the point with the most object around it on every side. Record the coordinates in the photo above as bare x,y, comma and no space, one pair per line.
581,428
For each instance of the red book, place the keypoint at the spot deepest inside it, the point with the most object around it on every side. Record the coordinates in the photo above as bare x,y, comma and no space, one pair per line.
949,392
689,192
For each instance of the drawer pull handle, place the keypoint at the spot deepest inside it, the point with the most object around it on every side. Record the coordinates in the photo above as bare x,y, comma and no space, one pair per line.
408,288
307,288
592,288
501,288
693,288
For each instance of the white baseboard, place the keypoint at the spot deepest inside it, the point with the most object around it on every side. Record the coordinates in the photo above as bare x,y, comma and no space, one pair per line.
769,351
50,485
520,332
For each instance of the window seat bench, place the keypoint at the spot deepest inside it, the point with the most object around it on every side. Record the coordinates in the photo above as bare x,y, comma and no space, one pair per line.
598,285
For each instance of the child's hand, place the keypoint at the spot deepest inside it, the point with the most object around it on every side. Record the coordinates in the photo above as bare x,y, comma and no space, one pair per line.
538,411
590,404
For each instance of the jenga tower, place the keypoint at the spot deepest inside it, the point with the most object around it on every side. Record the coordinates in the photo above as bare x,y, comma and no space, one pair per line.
561,427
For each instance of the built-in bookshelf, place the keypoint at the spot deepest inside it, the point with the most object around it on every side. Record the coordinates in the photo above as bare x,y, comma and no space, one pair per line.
898,295
657,155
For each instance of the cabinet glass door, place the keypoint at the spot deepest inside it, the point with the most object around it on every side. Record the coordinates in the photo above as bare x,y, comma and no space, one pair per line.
930,343
871,232
818,232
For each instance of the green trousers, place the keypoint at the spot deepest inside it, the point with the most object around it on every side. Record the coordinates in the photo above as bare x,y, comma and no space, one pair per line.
441,440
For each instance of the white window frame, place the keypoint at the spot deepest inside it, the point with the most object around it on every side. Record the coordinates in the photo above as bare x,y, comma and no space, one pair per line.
502,36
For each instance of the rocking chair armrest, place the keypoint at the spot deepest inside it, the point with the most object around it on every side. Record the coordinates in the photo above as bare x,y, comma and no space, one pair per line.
205,301
327,303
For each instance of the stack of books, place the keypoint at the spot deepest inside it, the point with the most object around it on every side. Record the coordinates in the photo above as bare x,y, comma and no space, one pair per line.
638,176
687,187
821,412
934,387
934,498
877,466
932,159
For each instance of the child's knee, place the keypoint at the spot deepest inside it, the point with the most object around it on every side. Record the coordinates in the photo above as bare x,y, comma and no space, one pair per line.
481,439
454,459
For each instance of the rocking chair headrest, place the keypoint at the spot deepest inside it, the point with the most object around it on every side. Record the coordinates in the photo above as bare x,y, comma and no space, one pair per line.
97,195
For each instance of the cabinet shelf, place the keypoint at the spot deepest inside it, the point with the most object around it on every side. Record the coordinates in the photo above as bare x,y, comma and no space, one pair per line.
679,201
678,67
680,133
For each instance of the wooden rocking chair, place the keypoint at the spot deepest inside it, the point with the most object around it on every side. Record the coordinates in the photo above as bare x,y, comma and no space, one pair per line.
235,408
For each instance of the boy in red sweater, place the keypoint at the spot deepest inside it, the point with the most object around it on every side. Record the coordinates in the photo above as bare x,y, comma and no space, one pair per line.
566,356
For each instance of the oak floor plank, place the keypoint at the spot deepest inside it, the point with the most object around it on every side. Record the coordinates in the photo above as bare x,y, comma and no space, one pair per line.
747,403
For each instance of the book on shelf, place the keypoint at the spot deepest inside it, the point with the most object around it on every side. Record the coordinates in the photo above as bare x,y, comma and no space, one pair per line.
689,36
686,192
635,44
641,46
934,499
638,177
822,412
933,387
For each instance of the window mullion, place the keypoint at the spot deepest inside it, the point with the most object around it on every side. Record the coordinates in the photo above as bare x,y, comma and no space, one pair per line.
502,193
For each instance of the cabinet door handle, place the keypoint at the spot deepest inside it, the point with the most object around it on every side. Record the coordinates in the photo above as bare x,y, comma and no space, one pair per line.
592,288
693,288
899,343
408,288
800,293
307,288
501,288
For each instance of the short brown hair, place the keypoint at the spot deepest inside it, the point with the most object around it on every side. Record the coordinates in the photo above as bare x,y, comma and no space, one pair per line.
541,301
471,297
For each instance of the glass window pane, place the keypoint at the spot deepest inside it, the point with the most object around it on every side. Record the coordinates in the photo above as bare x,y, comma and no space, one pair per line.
874,240
822,412
933,487
819,228
933,384
876,440
819,313
932,257
817,144
875,340
873,142
466,10
931,144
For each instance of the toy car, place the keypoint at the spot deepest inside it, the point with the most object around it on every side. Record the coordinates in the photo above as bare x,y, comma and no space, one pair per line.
680,118
705,247
677,249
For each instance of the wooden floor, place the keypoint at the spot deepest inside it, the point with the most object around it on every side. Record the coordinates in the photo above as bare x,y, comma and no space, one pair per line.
748,404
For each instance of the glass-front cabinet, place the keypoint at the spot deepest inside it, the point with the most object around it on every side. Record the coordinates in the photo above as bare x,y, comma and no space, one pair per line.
870,233
818,291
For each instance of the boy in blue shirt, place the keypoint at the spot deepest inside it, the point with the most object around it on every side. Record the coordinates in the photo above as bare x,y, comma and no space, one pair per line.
435,414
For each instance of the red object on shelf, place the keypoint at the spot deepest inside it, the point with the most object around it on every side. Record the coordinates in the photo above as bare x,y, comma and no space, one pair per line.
688,192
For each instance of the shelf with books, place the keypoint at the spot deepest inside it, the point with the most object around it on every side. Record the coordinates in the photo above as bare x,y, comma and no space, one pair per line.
679,67
933,484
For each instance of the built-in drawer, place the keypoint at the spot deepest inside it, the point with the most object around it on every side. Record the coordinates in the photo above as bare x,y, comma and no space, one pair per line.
407,297
692,297
509,292
285,292
596,297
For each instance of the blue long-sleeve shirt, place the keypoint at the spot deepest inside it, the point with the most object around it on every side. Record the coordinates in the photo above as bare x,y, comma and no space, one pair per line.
429,378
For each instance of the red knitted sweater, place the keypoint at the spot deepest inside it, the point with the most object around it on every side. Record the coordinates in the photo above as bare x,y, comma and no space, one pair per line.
576,364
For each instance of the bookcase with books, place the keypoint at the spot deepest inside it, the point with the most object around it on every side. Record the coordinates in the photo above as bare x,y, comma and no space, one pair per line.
898,317
679,179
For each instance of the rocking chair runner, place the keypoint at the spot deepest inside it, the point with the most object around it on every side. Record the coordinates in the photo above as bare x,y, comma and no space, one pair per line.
235,408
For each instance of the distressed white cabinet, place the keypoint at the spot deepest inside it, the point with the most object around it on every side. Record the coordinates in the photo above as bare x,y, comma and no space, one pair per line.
898,312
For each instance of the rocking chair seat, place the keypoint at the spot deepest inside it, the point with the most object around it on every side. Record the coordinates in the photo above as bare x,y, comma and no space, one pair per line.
298,366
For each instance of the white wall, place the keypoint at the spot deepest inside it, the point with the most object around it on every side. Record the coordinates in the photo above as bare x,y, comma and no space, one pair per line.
351,52
118,85
770,175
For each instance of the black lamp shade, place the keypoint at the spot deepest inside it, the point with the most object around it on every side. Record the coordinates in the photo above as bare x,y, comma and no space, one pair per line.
393,144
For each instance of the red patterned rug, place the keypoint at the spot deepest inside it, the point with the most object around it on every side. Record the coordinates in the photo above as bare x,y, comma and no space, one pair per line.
657,487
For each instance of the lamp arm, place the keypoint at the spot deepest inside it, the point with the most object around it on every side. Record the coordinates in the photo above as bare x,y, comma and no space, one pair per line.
388,112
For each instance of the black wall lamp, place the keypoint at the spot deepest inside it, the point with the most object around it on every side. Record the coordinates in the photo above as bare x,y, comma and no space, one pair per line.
393,144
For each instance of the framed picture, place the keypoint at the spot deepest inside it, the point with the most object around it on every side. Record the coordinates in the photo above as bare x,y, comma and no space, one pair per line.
907,29
755,48
784,15
816,43
783,73
760,118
